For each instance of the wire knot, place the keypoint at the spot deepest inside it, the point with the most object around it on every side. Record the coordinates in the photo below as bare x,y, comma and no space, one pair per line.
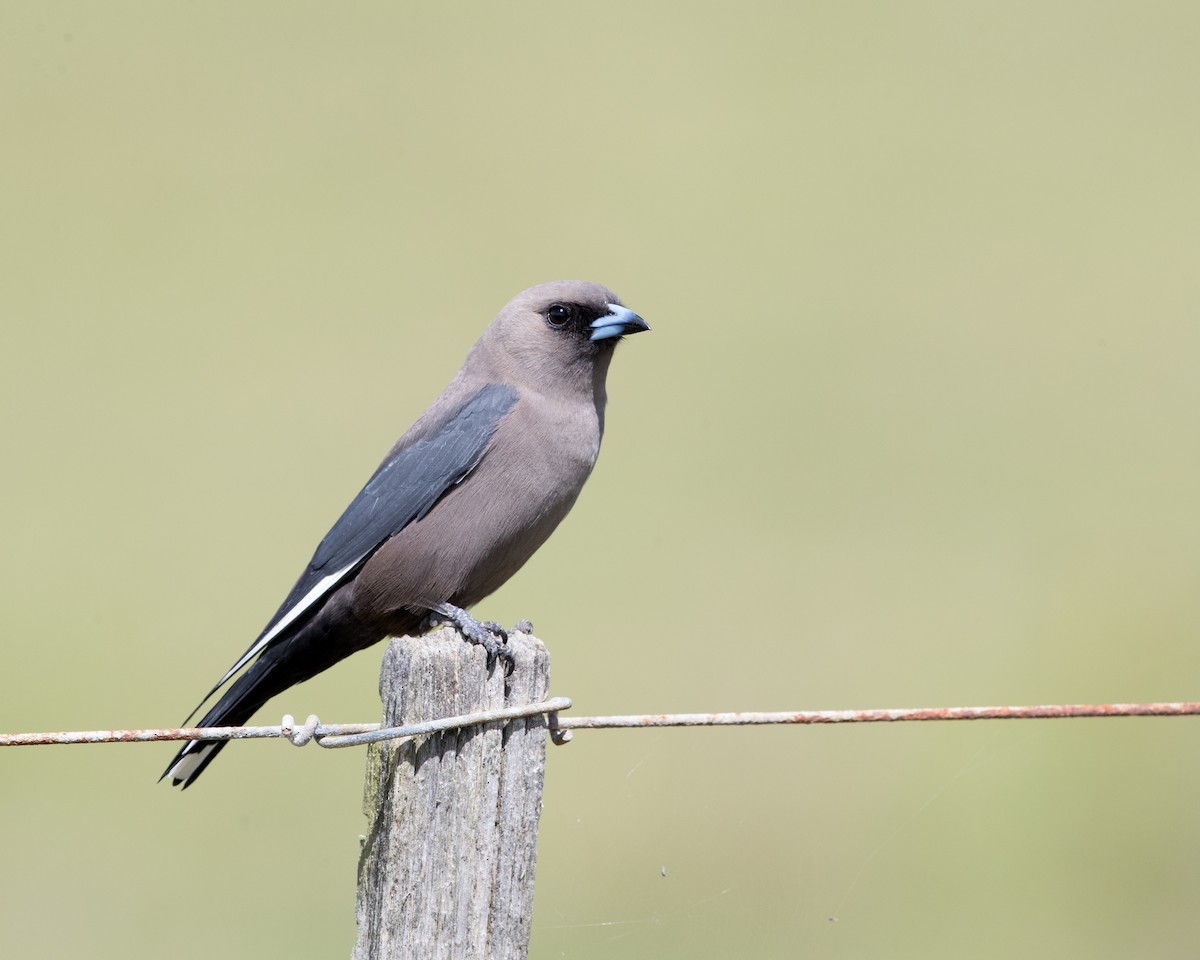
299,736
558,735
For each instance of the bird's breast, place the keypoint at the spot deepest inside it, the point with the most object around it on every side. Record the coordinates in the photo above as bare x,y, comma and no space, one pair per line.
485,528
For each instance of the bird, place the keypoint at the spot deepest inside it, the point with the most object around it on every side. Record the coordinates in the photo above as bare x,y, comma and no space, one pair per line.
457,506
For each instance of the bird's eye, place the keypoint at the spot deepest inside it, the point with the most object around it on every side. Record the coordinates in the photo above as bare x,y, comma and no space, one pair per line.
558,314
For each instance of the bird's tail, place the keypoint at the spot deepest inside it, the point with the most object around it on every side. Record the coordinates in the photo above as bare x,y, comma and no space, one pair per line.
249,692
313,645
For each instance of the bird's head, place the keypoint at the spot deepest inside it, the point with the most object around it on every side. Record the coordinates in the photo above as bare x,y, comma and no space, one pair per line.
564,329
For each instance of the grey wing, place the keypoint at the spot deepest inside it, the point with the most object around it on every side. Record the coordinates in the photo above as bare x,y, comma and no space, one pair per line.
404,488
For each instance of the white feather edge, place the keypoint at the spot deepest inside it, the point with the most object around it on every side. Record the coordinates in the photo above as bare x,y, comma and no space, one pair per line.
197,750
186,765
323,586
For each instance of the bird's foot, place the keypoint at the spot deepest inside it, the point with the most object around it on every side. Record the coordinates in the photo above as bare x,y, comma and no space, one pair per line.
491,636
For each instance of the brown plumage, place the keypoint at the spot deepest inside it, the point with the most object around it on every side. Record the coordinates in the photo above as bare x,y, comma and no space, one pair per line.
464,498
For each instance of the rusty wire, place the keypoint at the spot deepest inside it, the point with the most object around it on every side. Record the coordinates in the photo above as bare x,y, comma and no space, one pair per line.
354,734
560,728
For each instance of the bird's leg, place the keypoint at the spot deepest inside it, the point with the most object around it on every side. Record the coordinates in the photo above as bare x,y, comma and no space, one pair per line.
491,636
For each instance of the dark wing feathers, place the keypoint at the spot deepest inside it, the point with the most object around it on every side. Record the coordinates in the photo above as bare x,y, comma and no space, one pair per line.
405,487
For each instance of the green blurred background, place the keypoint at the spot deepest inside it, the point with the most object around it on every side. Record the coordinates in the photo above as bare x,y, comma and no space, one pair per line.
917,425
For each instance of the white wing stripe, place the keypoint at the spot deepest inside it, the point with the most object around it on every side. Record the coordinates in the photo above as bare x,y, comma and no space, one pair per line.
323,587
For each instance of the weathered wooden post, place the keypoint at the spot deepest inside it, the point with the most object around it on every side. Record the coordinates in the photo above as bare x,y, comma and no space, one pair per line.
447,863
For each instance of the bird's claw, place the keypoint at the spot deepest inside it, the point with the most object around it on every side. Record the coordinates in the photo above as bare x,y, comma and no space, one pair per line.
496,630
491,636
497,648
